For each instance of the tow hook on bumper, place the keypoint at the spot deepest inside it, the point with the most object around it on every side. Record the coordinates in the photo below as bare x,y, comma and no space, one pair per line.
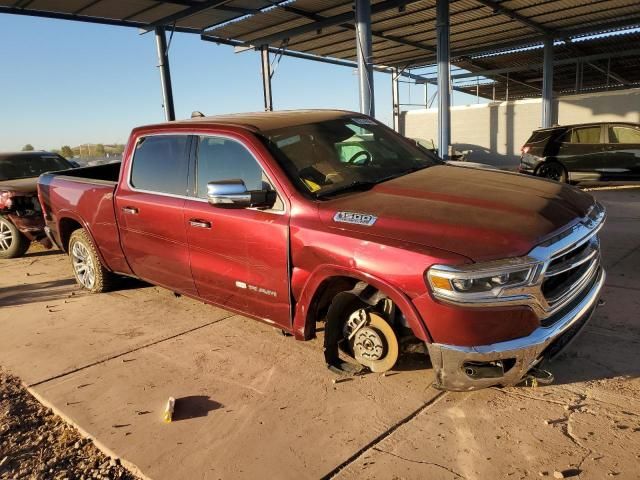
509,363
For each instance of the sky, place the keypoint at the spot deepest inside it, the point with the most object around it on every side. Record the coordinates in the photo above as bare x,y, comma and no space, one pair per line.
69,83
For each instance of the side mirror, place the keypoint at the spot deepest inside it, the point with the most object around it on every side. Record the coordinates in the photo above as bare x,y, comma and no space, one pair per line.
234,194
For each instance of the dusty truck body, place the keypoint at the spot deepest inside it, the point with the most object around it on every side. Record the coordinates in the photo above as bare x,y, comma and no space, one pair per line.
295,218
21,219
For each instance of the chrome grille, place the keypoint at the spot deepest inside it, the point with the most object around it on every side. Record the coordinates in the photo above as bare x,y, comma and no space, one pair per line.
567,272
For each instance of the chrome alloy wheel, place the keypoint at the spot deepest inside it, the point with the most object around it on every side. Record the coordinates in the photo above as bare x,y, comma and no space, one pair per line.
6,236
83,265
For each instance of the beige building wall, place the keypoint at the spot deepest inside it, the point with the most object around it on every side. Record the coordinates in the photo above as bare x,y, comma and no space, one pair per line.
496,131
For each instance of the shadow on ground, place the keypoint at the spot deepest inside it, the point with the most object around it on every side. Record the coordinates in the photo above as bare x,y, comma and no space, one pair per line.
37,292
194,406
43,253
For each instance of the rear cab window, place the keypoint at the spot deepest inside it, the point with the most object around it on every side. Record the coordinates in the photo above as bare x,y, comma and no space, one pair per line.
160,164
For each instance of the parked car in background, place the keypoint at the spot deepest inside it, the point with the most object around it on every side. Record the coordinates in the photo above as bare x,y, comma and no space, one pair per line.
21,220
303,218
605,151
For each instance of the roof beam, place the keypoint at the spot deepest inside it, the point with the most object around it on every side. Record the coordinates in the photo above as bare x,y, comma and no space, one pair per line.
187,12
536,66
498,8
327,22
347,26
627,22
83,18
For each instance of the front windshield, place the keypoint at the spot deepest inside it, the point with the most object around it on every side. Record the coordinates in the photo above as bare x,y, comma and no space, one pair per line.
13,167
338,155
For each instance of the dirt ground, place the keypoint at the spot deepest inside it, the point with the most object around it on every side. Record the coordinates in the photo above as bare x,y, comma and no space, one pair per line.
38,444
253,403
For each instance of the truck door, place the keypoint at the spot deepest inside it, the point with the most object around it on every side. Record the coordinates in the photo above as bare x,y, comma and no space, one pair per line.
149,208
239,256
623,152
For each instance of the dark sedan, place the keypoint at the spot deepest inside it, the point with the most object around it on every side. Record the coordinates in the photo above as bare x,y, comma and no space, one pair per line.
602,152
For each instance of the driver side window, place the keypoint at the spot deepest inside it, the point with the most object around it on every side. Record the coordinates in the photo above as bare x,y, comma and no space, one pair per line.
220,158
225,159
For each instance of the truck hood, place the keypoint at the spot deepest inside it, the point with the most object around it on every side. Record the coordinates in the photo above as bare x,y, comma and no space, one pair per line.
20,185
480,214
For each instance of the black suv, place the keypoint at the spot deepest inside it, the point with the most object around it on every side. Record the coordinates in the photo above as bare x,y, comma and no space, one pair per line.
606,151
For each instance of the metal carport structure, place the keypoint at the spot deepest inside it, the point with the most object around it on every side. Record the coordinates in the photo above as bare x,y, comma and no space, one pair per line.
491,39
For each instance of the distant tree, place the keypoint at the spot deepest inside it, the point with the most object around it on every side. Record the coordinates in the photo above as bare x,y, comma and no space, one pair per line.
100,152
66,151
27,148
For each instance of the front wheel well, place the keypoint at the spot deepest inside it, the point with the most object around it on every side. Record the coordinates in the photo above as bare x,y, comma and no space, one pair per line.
322,298
327,292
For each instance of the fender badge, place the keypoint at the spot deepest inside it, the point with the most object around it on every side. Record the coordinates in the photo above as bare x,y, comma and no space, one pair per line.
355,218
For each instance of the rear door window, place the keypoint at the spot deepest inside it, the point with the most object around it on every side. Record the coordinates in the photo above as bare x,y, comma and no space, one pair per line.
624,134
582,135
160,164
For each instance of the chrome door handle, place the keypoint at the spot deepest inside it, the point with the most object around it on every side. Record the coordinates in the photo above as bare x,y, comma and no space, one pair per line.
130,210
194,222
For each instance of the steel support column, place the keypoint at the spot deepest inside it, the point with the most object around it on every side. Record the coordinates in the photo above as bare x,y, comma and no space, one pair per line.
395,98
266,78
547,84
444,80
364,51
165,74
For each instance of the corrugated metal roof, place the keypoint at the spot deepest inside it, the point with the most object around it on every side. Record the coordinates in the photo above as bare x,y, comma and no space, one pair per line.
403,30
192,16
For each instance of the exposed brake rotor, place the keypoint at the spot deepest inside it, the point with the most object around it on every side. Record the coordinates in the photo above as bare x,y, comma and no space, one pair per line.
372,340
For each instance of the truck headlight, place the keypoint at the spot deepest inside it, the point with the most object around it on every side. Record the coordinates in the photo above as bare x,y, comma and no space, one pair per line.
477,282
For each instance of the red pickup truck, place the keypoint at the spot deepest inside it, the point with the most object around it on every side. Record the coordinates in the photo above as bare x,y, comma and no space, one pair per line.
307,217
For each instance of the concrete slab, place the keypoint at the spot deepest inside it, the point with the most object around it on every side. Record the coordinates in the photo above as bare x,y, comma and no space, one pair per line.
251,404
50,327
511,433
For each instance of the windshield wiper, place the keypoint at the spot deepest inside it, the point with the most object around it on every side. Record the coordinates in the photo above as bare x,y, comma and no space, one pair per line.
355,185
364,185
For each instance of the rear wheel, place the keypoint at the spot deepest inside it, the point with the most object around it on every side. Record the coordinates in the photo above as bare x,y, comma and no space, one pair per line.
553,171
12,243
87,268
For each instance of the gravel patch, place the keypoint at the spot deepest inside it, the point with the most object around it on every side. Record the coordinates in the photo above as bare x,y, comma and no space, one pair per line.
37,444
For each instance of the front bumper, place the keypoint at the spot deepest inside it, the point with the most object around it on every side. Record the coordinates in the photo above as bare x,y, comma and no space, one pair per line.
506,363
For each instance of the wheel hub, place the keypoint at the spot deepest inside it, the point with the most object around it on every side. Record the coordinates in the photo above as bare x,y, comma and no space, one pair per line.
372,340
83,265
367,343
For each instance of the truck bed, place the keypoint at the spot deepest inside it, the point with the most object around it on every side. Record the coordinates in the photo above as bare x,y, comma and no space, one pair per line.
84,197
109,173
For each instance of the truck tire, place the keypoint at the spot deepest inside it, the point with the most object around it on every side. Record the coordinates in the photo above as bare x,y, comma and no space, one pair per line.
86,264
13,243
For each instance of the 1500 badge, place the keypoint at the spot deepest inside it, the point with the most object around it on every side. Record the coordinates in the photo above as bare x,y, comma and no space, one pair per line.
355,218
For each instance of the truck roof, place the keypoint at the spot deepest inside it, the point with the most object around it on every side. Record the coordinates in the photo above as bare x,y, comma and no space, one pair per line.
264,121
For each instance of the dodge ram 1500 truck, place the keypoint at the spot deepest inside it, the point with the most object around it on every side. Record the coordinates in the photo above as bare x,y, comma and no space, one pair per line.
296,218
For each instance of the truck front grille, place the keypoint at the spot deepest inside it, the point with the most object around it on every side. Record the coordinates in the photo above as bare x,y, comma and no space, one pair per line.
569,275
